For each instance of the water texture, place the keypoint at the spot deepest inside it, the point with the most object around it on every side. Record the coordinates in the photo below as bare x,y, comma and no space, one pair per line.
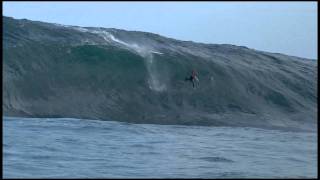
70,148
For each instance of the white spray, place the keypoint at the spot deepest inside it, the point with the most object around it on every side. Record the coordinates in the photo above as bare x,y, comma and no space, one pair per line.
155,81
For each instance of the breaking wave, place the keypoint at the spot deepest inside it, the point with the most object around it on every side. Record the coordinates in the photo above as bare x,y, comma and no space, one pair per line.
50,71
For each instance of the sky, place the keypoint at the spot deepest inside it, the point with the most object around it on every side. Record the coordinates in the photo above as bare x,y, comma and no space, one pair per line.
280,27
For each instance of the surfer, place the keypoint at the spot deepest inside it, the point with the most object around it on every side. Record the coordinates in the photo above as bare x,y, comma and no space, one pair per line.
193,78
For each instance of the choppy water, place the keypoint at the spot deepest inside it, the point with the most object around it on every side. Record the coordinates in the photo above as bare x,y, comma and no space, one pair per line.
56,148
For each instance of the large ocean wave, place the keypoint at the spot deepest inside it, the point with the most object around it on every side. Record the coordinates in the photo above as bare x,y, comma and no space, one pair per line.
110,74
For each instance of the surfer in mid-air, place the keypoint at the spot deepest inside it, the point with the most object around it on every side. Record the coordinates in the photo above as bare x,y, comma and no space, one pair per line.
193,78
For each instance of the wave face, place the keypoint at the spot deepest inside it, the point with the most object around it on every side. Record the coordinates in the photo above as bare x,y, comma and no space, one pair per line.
52,70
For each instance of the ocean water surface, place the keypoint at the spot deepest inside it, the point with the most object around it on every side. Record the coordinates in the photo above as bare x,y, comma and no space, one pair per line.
80,148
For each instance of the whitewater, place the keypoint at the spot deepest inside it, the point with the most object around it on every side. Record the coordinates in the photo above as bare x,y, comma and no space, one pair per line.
81,148
154,81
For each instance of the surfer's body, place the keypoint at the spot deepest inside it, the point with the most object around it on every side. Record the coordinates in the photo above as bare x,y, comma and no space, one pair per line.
193,78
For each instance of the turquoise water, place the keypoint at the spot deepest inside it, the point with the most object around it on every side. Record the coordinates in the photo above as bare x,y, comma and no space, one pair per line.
78,148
